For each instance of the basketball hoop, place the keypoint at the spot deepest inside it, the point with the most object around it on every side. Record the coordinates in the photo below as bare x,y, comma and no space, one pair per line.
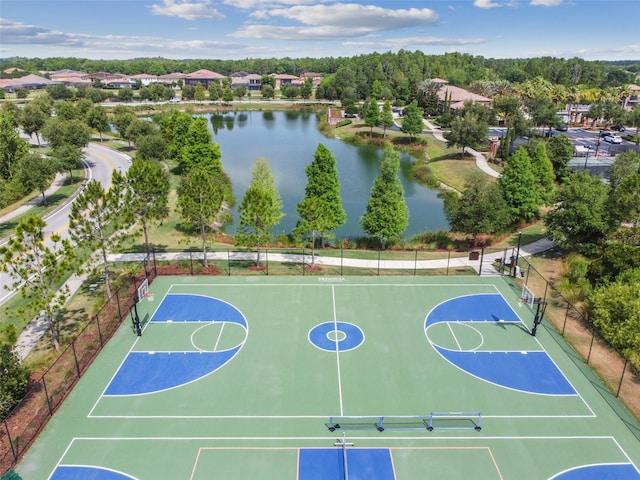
149,296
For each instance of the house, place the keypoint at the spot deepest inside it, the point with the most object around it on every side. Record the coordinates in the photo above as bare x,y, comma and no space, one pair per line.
251,81
316,78
145,79
283,79
9,71
203,77
172,78
456,97
30,82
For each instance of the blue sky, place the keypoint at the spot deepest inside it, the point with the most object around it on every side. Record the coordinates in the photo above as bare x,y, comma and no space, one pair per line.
236,29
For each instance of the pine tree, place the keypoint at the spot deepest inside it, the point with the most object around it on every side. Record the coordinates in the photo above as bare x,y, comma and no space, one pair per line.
412,121
260,209
520,187
387,215
37,268
321,210
386,117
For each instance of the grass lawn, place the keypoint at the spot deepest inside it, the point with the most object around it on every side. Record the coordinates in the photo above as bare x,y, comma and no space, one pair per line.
54,201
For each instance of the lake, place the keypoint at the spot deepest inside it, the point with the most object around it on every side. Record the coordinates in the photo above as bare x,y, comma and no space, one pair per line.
288,140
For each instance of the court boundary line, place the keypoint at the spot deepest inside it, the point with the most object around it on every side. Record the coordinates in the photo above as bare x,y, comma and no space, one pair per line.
521,321
335,327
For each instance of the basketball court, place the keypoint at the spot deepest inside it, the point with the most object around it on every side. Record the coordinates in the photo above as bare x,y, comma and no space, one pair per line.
333,378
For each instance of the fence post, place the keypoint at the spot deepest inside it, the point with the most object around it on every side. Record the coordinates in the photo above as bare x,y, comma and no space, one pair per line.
229,262
415,263
378,262
626,361
303,262
266,259
448,259
99,331
46,395
118,303
593,337
155,268
566,317
13,448
75,358
341,260
481,260
191,263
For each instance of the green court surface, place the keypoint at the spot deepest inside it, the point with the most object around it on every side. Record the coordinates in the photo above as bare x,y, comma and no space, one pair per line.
240,377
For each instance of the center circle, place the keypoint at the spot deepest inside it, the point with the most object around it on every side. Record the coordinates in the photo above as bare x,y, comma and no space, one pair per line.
336,336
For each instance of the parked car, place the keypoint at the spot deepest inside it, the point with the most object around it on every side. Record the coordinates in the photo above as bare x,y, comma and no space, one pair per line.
613,139
619,128
563,128
605,133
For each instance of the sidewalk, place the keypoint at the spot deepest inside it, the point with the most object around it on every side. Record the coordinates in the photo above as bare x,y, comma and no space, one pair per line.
481,161
55,185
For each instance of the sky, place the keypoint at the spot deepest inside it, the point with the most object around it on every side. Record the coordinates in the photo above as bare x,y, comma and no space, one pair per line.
238,29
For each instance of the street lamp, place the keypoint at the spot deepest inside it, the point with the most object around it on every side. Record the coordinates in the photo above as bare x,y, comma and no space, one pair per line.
586,158
515,263
598,142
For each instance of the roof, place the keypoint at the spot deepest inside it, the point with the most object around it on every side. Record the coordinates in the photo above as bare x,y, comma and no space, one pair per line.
205,74
457,95
30,80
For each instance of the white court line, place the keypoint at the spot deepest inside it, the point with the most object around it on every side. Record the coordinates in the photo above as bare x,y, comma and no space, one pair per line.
454,336
215,348
335,327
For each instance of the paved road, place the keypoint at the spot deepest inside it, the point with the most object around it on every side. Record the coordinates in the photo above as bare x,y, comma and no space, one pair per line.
100,162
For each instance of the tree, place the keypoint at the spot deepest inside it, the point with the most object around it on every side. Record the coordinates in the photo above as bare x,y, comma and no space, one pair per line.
260,209
36,172
227,95
267,92
151,147
386,117
67,157
371,115
560,152
306,89
581,219
240,92
59,132
98,119
542,170
14,379
615,312
323,184
125,94
198,150
12,147
147,195
122,118
520,187
386,216
96,218
480,209
199,202
37,269
199,94
466,131
412,120
33,120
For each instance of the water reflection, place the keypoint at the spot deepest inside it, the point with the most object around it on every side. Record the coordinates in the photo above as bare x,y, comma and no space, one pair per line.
288,140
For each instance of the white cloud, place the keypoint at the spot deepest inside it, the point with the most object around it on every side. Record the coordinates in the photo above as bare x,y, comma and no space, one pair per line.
493,4
546,3
486,4
351,15
262,4
186,10
341,19
415,42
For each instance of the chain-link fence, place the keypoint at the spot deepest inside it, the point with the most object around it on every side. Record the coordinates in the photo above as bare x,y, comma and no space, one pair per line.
583,341
21,427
